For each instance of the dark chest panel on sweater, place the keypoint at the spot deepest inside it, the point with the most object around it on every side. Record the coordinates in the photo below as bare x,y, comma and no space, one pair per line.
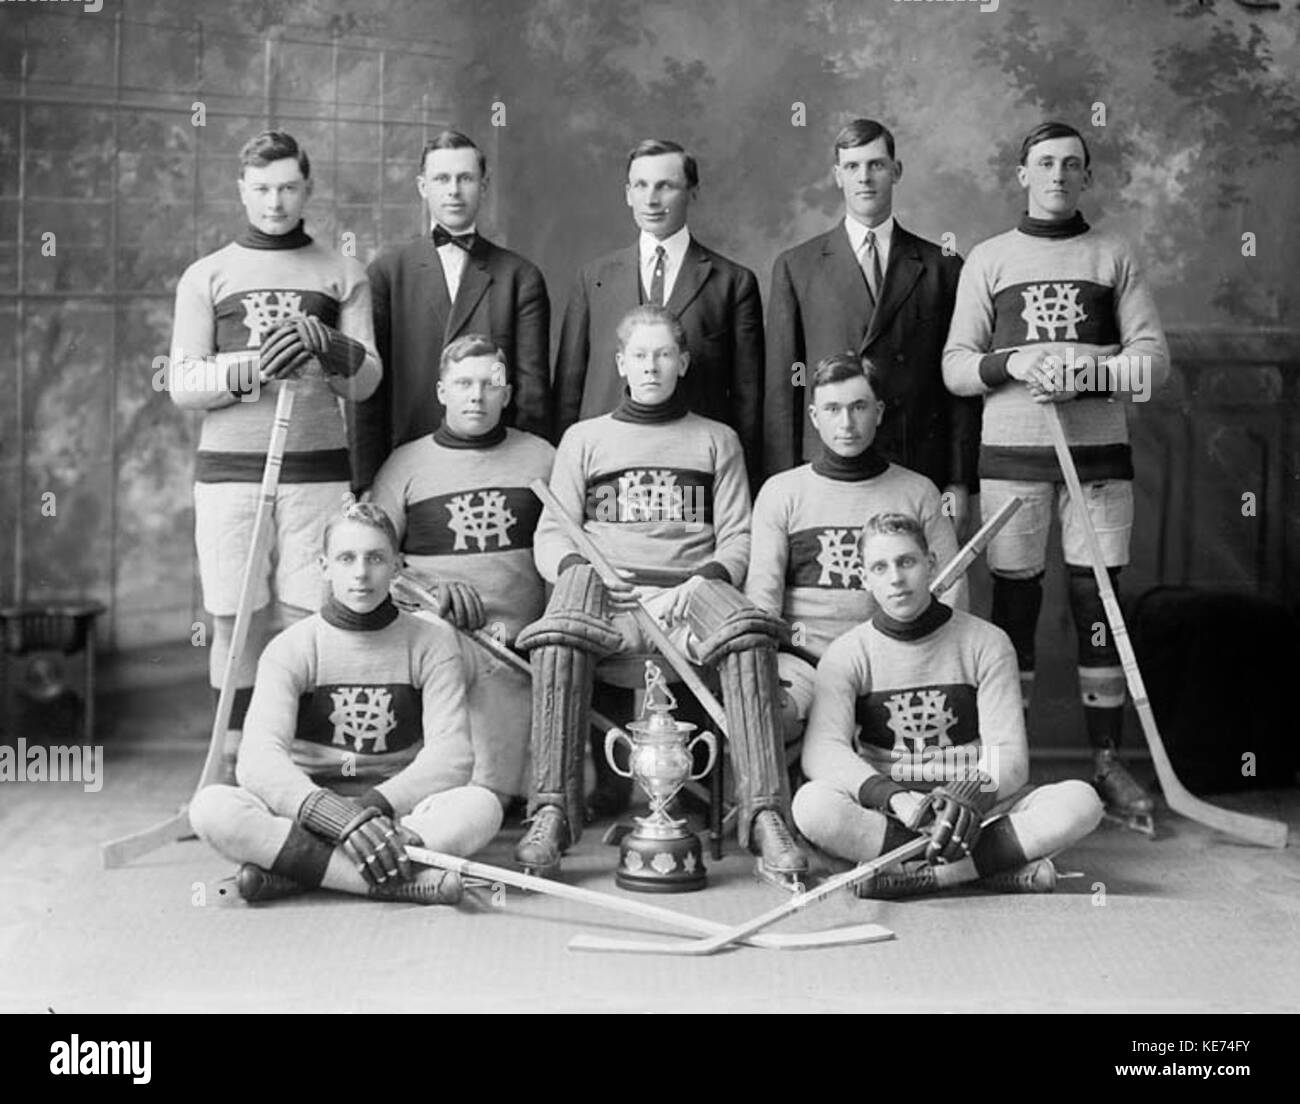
1054,310
468,523
365,718
245,319
915,718
650,494
826,557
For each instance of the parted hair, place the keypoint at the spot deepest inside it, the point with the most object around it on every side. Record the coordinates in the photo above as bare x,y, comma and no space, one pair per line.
653,147
894,525
650,314
861,132
452,139
273,145
846,365
1044,132
363,513
470,345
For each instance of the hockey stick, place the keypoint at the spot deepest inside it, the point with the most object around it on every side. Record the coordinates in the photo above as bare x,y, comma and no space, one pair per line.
412,589
747,931
644,618
121,851
1260,830
969,552
860,933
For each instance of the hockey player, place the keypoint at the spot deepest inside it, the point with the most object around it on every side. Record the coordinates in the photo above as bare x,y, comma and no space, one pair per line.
356,743
805,565
460,501
271,305
1055,311
664,492
930,699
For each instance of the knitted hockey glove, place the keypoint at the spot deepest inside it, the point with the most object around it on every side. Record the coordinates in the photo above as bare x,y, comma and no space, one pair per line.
460,604
959,807
367,837
282,353
338,355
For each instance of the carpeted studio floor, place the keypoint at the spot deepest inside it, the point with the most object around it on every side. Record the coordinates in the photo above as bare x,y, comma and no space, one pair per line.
1191,922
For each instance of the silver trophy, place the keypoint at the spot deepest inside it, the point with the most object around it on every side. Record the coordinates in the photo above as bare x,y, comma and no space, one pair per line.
660,855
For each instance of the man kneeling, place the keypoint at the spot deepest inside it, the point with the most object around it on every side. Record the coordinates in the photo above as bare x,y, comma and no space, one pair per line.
942,747
356,744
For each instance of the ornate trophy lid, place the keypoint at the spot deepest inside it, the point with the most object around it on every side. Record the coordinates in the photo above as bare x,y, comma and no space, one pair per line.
659,706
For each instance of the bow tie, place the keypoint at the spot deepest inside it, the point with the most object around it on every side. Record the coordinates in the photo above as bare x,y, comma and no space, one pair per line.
441,237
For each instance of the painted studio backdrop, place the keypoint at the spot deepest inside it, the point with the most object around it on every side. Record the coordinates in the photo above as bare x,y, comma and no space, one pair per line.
109,188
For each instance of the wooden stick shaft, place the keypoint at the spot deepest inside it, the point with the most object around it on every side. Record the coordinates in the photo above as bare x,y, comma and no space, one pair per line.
121,851
262,527
679,920
644,618
1269,833
408,582
955,568
750,928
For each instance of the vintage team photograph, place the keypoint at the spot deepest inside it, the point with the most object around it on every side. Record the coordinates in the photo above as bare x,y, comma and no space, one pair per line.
523,506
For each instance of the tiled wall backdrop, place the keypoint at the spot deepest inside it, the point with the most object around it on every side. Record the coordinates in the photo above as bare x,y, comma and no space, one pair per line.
1200,145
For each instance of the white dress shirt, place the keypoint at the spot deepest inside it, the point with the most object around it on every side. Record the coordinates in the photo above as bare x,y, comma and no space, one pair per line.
675,247
858,238
453,259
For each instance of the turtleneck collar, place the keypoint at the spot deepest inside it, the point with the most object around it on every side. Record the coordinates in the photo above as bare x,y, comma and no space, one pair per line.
850,469
629,410
449,438
933,617
253,238
1053,228
337,614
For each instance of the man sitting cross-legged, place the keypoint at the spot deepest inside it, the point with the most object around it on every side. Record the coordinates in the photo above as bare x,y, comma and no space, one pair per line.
806,565
916,727
664,492
357,743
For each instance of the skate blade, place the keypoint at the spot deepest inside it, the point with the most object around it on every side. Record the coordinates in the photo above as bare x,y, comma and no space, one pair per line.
791,881
1143,823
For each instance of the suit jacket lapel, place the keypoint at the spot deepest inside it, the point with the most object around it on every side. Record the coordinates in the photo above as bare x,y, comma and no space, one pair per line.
695,269
842,272
475,279
905,268
434,281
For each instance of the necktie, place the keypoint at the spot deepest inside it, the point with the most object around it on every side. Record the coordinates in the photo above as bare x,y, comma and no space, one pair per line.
657,277
869,259
442,237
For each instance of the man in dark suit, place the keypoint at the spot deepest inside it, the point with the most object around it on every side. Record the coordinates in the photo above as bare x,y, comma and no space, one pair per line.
870,287
431,290
716,301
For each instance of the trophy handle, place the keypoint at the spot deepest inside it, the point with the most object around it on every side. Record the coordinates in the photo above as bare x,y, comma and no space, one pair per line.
712,742
612,737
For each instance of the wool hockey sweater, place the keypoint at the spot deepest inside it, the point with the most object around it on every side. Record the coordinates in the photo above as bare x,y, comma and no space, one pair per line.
468,515
806,564
919,711
337,706
664,501
226,303
1083,294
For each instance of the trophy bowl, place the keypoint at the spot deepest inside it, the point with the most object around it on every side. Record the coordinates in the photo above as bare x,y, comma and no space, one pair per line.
660,855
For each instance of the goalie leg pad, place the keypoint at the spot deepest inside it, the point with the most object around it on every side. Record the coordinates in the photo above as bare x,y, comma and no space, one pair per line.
564,647
725,622
751,701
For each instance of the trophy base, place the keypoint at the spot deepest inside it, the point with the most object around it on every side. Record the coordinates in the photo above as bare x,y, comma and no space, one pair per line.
649,865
